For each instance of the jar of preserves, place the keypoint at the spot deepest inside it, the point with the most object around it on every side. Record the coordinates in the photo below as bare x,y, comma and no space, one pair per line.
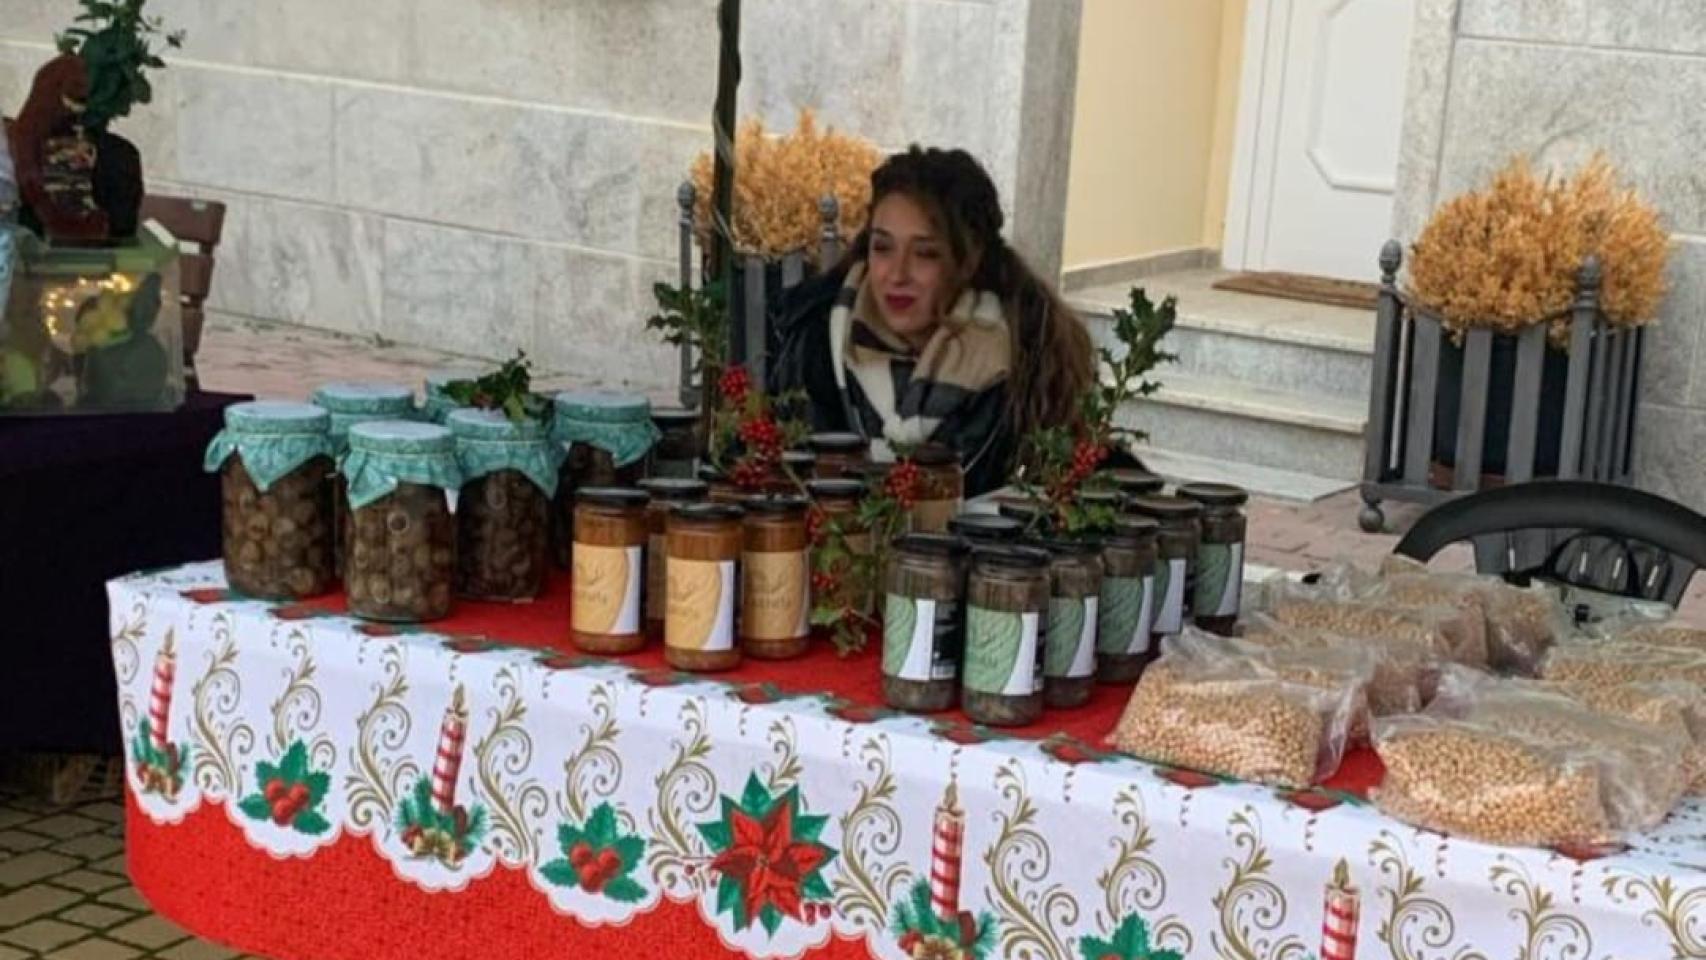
1124,630
402,537
721,488
1007,601
941,488
1176,542
1136,483
350,404
986,529
800,465
837,453
837,502
1108,503
1034,517
677,452
503,514
609,569
666,494
1219,586
705,541
776,579
609,439
1075,593
923,641
274,462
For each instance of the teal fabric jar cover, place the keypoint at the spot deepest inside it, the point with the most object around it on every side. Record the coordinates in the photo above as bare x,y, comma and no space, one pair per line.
272,438
488,441
353,403
385,453
619,423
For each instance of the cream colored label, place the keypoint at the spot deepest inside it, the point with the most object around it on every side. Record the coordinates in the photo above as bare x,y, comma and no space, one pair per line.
701,613
657,582
606,590
775,600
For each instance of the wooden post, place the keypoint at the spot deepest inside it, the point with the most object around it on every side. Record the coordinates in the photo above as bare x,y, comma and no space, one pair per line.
1584,316
1525,404
1424,387
1472,408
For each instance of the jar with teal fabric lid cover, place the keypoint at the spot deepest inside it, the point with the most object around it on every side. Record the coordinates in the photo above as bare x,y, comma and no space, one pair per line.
437,404
274,461
609,437
353,403
401,549
509,474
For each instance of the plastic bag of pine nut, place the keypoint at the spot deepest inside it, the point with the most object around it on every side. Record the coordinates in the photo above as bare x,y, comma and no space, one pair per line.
1403,667
1521,622
1615,662
1455,633
1280,717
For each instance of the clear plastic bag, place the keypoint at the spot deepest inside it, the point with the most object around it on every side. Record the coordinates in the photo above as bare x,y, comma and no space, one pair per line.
1521,622
1594,663
1456,633
1217,705
1400,671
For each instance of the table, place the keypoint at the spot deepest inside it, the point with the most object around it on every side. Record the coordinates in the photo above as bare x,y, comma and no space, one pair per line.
84,499
320,788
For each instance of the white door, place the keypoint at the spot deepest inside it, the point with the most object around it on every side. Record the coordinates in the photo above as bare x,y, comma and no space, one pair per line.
1319,126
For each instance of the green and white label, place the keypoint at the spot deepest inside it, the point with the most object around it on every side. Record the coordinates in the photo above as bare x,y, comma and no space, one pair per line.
1170,596
920,639
1003,655
1127,615
1220,580
1071,645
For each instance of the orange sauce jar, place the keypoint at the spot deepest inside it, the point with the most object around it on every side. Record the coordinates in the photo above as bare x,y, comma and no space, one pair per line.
609,570
666,494
703,577
775,598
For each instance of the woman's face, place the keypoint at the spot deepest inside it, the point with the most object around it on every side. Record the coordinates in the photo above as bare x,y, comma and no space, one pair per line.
909,267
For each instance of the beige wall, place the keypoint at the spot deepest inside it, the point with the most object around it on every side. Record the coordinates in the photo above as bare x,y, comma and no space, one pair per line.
1151,147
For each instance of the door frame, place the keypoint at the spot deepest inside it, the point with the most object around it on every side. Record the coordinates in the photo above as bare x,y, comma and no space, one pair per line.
1255,140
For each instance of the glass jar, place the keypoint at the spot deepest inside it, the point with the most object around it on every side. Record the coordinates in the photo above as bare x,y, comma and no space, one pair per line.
1108,502
986,529
1176,542
1219,587
402,538
923,639
1136,483
801,464
609,570
1124,640
1033,516
838,501
677,452
1075,592
704,543
609,439
350,404
274,461
837,453
503,513
776,579
666,494
941,488
721,488
1007,601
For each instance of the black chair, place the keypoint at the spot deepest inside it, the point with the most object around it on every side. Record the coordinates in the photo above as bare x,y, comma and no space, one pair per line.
1594,535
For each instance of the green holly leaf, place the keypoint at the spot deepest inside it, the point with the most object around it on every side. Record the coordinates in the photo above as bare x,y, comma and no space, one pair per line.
755,800
729,901
601,827
717,835
311,823
256,807
318,784
630,849
624,890
294,767
1095,949
814,887
266,773
771,918
567,836
561,873
808,827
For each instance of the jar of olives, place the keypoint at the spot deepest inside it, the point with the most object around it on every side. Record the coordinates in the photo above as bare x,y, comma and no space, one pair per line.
941,488
609,439
509,475
609,569
1075,592
838,453
666,494
1033,516
1007,601
705,541
1220,555
776,581
1127,617
350,404
923,640
1136,483
986,529
402,538
838,504
274,462
1177,538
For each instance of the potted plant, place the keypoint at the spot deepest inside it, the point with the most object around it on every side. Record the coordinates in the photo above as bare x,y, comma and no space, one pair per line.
1506,258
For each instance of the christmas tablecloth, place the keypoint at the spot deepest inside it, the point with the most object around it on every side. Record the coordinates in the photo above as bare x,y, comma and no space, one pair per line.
306,786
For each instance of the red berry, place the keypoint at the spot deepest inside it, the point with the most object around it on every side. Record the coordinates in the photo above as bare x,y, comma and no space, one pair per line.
299,795
275,790
690,869
283,811
580,854
609,862
591,880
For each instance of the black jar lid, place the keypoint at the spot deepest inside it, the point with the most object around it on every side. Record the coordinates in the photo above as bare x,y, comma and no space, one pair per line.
1024,511
711,474
773,504
1129,530
1165,508
1215,494
668,418
1112,499
837,442
1012,558
612,496
986,526
675,488
933,544
708,512
1067,547
1134,482
800,460
840,488
934,455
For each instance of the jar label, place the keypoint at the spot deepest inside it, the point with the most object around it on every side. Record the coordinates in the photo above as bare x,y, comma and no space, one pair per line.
1220,579
701,613
606,590
1170,596
776,595
1003,655
921,640
1127,615
657,583
932,516
1071,644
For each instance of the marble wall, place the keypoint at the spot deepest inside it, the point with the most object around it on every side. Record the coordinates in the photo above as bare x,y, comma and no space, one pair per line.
482,175
1560,80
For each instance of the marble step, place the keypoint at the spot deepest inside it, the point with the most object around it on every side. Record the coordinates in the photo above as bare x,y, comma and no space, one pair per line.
1269,482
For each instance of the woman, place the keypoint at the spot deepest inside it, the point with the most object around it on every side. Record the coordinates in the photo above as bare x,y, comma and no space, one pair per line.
933,328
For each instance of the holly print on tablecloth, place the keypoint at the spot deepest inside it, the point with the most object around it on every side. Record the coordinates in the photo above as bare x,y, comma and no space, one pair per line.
290,793
769,861
926,936
448,836
158,771
1129,942
598,858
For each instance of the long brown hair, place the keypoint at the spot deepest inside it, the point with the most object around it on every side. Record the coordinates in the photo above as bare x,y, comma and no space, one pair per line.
1053,366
